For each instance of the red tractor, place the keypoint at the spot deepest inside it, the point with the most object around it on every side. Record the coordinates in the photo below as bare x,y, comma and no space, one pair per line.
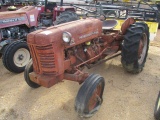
61,52
15,25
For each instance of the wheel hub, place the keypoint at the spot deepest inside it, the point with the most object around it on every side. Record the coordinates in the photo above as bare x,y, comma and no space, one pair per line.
21,57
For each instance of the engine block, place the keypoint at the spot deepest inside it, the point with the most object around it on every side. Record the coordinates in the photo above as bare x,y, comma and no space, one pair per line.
47,47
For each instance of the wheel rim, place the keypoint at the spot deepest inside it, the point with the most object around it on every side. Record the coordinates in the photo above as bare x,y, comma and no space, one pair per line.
95,99
21,57
142,49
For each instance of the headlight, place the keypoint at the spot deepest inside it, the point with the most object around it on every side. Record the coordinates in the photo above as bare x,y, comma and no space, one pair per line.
66,37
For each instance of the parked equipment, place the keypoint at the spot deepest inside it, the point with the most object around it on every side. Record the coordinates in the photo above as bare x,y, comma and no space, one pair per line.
139,10
84,43
15,25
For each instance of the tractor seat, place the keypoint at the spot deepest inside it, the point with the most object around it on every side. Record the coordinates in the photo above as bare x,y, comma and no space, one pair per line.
109,24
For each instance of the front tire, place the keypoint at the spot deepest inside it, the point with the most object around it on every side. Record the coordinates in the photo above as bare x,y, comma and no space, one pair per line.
28,69
157,108
66,16
16,56
135,47
89,97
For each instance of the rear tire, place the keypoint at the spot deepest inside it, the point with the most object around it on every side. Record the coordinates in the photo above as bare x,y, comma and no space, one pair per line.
16,56
28,69
66,16
89,97
157,108
135,47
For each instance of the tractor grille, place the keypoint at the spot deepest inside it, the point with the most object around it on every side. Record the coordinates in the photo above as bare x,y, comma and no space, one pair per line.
43,59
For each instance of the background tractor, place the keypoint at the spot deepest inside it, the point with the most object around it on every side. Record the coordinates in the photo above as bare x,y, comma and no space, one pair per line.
15,25
61,52
123,9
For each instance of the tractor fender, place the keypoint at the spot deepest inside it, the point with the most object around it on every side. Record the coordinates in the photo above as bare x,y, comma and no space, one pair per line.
126,24
32,16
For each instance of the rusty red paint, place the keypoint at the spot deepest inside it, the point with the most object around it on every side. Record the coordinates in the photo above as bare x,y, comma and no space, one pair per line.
126,24
140,48
26,15
45,80
55,60
93,101
78,76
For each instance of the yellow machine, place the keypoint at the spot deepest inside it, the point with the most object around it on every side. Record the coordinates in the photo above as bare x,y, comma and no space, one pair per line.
153,27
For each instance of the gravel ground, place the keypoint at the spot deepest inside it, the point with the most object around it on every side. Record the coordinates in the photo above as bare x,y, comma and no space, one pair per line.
126,96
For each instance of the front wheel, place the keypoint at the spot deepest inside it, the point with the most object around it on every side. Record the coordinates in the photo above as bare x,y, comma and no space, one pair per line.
135,47
29,69
157,108
16,56
89,97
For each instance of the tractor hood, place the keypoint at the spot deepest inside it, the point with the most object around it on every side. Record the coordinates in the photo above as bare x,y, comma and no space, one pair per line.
80,31
26,15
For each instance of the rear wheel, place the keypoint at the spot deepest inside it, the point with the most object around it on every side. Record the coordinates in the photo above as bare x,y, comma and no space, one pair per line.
66,16
89,97
135,47
28,69
16,56
157,108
